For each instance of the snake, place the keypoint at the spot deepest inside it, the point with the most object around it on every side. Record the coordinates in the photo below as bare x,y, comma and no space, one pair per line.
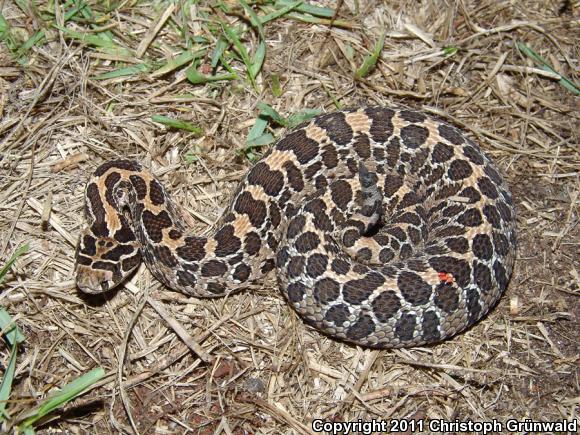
386,227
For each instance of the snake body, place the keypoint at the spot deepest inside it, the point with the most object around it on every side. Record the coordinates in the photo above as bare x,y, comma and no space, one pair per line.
386,227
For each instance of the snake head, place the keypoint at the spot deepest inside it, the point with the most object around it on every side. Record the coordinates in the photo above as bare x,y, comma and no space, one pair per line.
102,263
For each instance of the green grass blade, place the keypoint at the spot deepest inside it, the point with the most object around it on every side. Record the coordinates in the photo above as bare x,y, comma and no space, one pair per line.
267,111
254,20
22,250
276,87
97,39
370,61
241,49
65,395
178,61
307,8
450,50
79,7
124,72
302,116
10,329
281,12
257,129
195,77
322,21
100,40
177,123
6,35
260,141
35,39
218,51
233,38
7,379
258,60
563,81
4,26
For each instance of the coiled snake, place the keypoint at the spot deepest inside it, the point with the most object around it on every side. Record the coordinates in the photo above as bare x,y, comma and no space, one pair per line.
386,228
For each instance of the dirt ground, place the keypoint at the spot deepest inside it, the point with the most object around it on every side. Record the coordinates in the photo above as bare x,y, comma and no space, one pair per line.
86,92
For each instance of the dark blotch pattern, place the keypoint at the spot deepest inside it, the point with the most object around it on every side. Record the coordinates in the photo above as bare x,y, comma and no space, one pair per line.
492,216
316,265
482,277
155,223
500,275
326,290
216,288
446,297
295,227
139,185
470,218
271,181
428,221
337,129
294,176
110,183
386,305
482,247
256,210
164,254
473,307
358,290
458,244
337,314
392,184
252,243
405,326
193,250
296,267
412,116
304,148
296,291
127,165
227,242
473,155
451,134
487,188
413,136
329,156
132,262
413,288
459,170
362,146
99,226
341,193
268,265
282,257
430,326
186,278
363,327
501,244
307,242
175,234
382,123
156,194
89,245
460,269
340,267
213,268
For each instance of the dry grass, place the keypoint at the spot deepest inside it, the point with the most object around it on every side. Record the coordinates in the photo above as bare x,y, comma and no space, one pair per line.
270,372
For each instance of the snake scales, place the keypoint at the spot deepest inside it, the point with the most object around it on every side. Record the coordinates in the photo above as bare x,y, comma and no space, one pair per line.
386,227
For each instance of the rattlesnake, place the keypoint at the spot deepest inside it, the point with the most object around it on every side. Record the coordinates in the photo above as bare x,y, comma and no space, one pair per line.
386,227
